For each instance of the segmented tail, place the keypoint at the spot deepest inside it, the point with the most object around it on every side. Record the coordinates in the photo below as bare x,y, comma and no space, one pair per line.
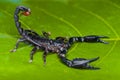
16,17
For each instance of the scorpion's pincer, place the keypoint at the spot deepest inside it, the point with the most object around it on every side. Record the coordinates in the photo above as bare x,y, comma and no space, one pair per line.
83,63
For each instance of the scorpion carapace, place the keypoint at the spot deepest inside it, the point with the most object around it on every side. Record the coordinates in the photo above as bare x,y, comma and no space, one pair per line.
59,45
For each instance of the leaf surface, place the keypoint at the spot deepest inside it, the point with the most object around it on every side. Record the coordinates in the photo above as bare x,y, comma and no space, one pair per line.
62,18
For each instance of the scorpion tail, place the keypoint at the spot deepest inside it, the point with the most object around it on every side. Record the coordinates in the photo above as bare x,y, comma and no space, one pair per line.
25,11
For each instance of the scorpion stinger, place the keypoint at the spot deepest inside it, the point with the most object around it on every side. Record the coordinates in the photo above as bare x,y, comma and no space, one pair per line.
59,45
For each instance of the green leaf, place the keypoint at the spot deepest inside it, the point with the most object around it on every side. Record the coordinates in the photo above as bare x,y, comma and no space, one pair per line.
61,18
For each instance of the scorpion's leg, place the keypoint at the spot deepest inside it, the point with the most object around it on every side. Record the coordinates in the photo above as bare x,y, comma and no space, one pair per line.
44,56
89,39
32,53
78,63
17,44
46,34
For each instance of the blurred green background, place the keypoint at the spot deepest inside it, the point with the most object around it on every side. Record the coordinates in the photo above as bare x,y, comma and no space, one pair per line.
61,18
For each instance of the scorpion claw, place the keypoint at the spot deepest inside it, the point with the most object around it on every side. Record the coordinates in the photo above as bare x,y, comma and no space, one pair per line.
94,38
91,67
94,59
83,63
102,41
103,36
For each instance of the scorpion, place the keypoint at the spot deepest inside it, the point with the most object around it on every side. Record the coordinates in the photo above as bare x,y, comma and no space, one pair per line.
59,45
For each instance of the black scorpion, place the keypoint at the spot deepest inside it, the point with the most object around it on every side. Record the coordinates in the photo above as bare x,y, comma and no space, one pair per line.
59,45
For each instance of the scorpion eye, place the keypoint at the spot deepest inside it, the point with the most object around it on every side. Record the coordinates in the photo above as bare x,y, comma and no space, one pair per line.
26,13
